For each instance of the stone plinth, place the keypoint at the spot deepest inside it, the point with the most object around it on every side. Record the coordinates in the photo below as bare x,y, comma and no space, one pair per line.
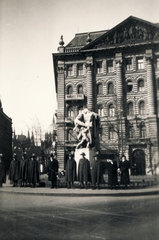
89,155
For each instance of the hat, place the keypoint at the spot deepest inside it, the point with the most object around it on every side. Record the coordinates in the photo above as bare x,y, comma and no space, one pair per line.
83,154
51,155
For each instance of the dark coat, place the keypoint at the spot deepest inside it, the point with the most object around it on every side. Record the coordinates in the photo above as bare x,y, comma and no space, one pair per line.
96,173
14,170
53,170
23,172
124,169
84,170
29,170
2,174
112,174
71,170
34,171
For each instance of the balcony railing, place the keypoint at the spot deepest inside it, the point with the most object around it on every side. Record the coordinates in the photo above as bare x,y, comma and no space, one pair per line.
74,97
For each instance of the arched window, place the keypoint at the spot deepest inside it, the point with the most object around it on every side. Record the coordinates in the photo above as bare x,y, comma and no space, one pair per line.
112,133
80,109
142,108
142,131
100,110
69,90
70,112
111,110
141,86
80,89
130,109
110,88
99,89
70,135
129,86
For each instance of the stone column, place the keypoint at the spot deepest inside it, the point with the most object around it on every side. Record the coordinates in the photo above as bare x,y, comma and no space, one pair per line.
89,74
61,114
150,84
119,83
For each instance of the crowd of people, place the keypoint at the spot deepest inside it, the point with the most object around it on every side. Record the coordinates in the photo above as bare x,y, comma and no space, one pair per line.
26,172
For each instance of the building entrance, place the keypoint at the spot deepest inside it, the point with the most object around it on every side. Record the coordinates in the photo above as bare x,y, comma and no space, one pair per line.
138,162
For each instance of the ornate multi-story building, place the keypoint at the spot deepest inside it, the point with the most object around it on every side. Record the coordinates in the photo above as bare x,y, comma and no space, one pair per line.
115,73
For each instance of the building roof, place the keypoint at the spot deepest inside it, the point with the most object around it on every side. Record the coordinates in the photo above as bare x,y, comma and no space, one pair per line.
80,39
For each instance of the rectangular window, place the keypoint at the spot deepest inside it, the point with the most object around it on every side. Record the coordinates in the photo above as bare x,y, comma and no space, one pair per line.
80,69
110,67
140,63
70,70
129,66
99,67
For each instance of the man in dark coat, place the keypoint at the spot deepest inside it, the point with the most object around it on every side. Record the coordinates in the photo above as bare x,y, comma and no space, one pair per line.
83,171
112,173
124,166
34,171
23,175
96,172
14,170
70,171
53,171
2,171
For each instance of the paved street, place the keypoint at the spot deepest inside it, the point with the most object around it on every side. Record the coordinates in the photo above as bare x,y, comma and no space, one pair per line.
52,217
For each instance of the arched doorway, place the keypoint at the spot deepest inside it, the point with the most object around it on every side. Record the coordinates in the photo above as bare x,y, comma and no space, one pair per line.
138,162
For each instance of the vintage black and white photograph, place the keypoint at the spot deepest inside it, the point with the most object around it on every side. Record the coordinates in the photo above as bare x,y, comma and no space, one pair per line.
79,120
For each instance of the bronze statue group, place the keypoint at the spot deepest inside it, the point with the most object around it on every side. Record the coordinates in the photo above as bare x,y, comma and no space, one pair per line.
26,172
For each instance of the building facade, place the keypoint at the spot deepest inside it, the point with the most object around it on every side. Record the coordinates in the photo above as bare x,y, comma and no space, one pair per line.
5,137
114,73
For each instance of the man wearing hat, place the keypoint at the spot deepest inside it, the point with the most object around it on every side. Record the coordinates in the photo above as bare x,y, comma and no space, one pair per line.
96,172
53,171
83,171
14,170
70,171
2,171
23,175
34,171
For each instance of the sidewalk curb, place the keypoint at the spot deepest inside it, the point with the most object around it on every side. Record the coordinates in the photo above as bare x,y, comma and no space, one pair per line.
84,193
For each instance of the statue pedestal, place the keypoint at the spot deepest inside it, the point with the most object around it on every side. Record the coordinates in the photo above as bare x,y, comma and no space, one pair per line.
89,155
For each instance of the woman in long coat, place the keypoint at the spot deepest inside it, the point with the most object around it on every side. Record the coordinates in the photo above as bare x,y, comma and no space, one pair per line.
53,171
124,166
83,171
14,170
70,171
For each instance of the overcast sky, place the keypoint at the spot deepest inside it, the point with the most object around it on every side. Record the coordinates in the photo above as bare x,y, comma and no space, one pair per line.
30,31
